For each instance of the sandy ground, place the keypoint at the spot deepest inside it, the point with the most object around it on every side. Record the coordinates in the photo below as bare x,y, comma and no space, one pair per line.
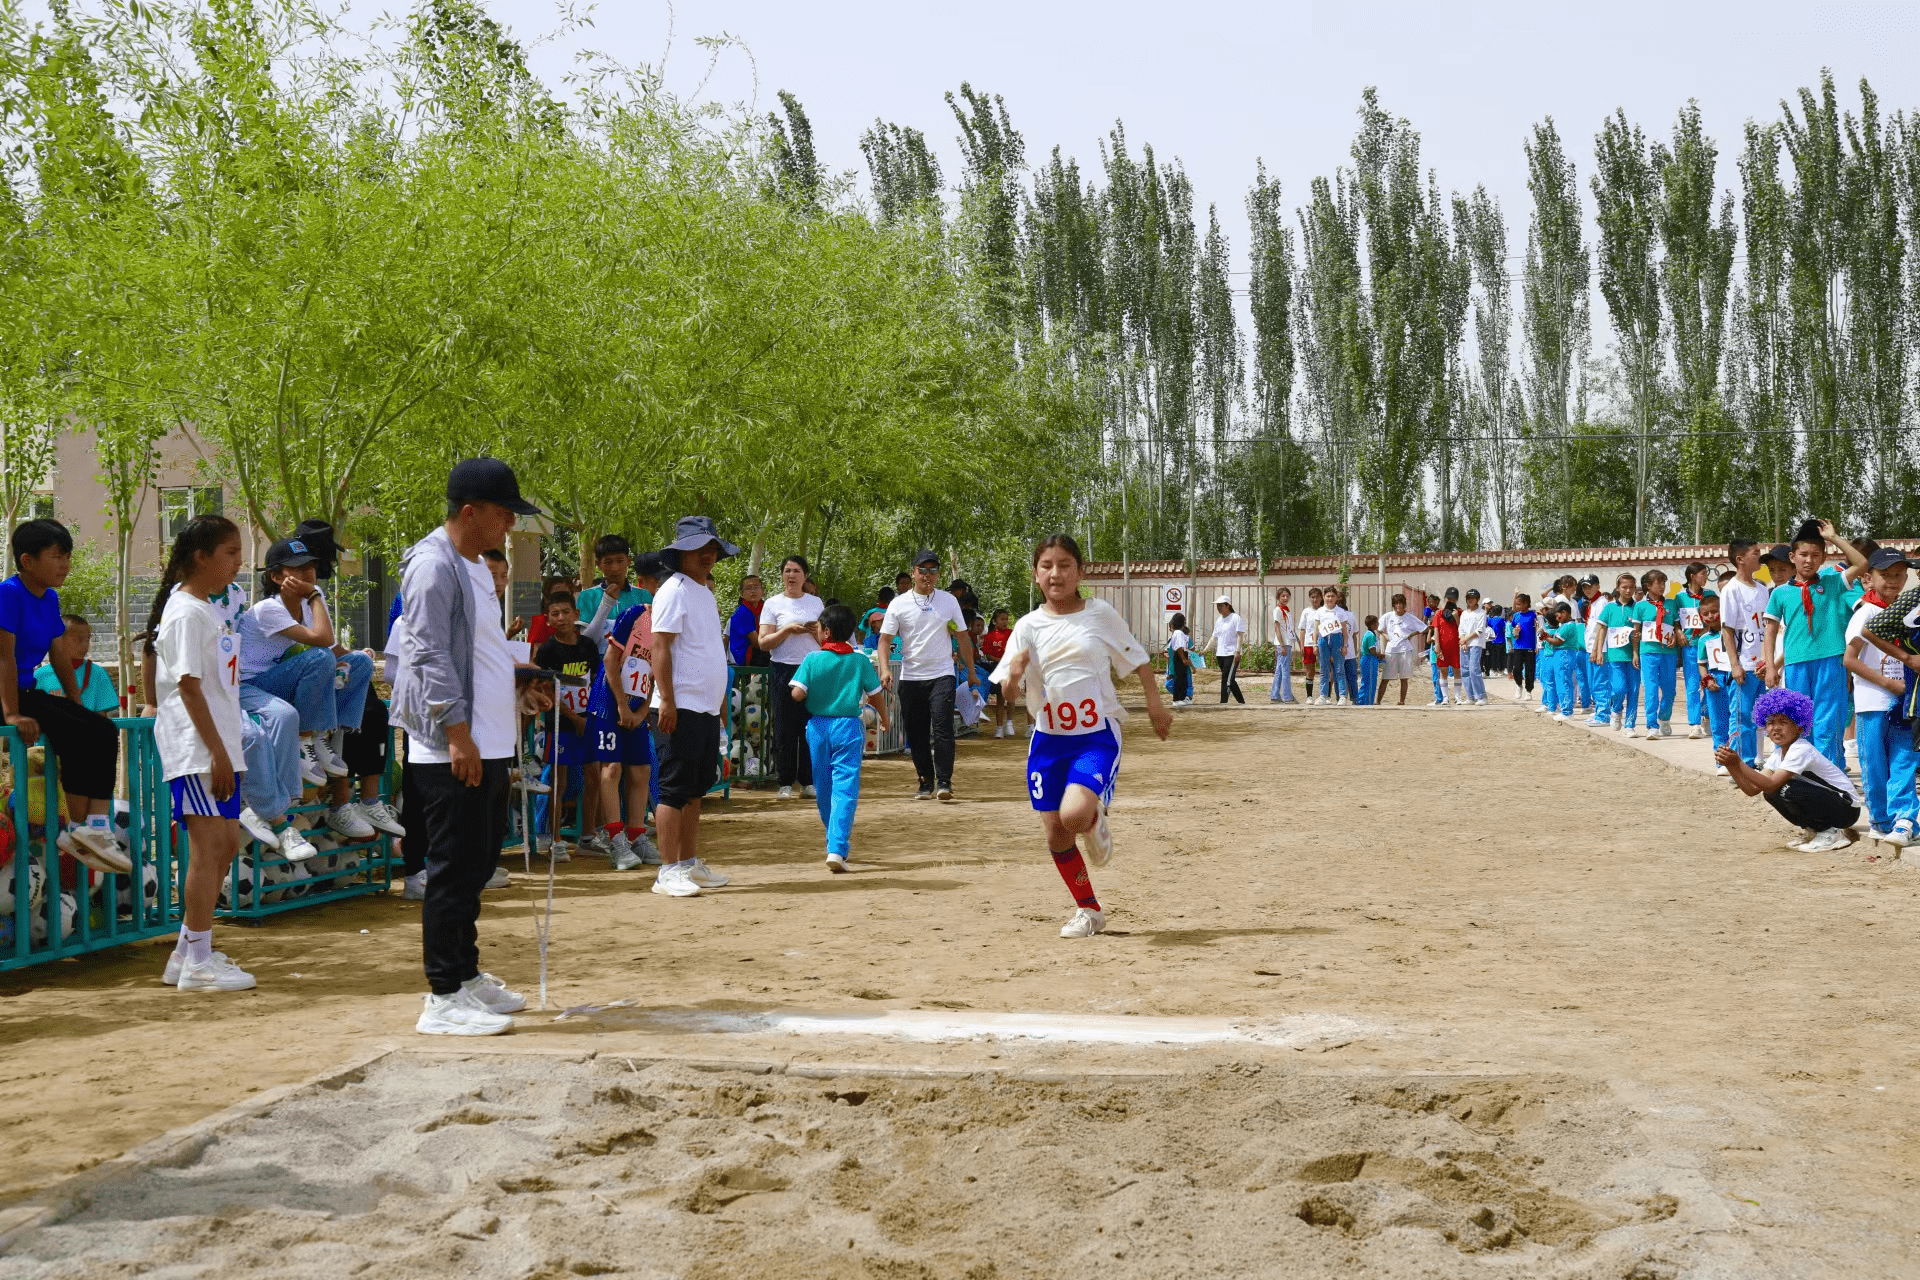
1694,1042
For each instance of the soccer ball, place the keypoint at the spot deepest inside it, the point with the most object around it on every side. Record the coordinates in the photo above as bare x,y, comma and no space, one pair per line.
36,887
868,716
299,881
149,888
273,878
736,701
248,886
752,716
69,913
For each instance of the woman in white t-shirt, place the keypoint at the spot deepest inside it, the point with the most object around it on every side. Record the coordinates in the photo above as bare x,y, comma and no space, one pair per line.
1065,655
789,624
196,729
1805,787
1229,633
1180,661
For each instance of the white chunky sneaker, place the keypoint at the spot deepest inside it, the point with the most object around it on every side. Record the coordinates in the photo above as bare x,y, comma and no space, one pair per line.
96,847
414,887
1696,732
837,863
674,882
311,771
785,793
329,760
807,792
171,975
1828,840
1901,834
1085,923
1654,734
493,993
703,875
500,879
258,827
348,821
1097,841
623,857
216,973
460,1014
1875,835
382,817
293,844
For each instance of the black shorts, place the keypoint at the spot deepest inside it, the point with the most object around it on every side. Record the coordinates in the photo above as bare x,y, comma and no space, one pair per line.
689,758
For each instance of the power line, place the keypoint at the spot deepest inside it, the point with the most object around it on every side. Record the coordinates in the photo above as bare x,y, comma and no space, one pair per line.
1592,437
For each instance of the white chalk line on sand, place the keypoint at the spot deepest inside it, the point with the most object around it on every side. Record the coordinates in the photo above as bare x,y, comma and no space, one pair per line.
926,1025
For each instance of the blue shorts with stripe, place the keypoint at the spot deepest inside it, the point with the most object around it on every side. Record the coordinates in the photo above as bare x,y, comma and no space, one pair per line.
193,798
609,743
1058,761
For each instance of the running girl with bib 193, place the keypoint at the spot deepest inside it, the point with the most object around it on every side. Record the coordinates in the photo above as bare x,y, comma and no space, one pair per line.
1064,655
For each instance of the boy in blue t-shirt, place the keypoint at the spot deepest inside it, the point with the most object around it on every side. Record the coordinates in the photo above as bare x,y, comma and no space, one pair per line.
836,682
84,742
1811,613
1522,644
618,740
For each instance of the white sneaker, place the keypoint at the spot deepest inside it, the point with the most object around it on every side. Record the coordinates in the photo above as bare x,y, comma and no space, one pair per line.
1654,734
674,881
703,875
1723,771
500,879
1875,835
1696,732
623,856
596,842
1806,835
1619,722
1085,923
1558,718
836,863
348,821
460,1014
493,993
785,793
1900,835
1827,841
216,973
293,844
311,771
413,888
807,792
558,850
944,791
383,818
323,752
649,851
1097,841
258,827
533,786
96,847
171,975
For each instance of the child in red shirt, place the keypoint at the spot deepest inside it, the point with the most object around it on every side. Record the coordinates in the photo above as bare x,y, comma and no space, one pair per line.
993,645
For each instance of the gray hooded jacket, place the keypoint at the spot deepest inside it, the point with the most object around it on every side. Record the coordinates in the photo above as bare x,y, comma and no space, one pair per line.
433,682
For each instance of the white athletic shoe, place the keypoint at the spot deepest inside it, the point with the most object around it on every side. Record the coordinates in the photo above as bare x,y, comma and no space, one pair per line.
944,791
1875,835
1558,718
596,842
649,851
311,771
1085,923
171,975
1097,841
674,881
837,863
1723,771
460,1014
1619,722
807,792
1806,835
258,827
500,879
1828,840
559,851
216,973
96,847
1696,732
323,752
293,844
624,858
414,887
1901,835
785,793
532,786
493,993
383,818
1654,734
703,875
348,821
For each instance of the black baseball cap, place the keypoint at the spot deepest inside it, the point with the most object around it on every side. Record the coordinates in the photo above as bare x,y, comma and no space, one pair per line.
926,556
289,553
1780,551
1886,558
488,480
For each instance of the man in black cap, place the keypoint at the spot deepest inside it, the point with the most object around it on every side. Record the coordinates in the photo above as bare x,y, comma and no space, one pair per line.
928,621
690,694
453,693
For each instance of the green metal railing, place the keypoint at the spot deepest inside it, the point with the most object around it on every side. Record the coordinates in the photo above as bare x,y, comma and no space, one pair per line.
53,907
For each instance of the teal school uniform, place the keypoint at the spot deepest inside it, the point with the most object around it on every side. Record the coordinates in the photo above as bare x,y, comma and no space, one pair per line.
96,687
836,684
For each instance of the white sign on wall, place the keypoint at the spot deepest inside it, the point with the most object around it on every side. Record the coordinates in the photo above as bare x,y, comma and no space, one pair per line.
1174,598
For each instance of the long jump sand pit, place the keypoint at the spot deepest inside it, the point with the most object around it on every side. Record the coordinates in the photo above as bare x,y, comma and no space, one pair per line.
1384,992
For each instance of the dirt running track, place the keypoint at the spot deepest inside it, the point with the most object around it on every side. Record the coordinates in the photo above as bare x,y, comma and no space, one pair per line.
1568,1010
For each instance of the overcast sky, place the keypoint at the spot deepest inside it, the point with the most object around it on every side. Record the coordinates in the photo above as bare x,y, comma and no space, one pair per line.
1219,85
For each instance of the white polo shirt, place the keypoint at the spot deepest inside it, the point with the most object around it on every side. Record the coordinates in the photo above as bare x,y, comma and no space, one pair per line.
924,625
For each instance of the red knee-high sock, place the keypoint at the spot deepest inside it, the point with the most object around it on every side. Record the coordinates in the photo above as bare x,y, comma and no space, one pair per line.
1073,869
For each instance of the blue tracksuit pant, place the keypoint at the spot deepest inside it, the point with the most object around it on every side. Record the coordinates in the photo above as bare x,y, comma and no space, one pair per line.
1887,761
1825,681
1657,671
837,743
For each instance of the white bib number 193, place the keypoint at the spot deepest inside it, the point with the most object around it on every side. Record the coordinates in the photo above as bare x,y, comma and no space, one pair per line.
1072,710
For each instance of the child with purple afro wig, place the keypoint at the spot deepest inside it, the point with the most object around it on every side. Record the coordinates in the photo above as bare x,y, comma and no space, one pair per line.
1791,703
1804,786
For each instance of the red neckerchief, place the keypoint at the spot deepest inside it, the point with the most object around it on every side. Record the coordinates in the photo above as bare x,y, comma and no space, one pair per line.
1659,614
1873,597
1806,599
837,646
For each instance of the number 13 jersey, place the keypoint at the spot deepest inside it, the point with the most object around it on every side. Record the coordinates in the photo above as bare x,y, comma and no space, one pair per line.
1072,659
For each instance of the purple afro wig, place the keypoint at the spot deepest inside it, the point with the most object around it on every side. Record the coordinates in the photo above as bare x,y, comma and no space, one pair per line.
1795,706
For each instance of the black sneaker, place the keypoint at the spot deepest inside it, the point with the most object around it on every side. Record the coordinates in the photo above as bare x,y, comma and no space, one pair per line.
925,792
944,791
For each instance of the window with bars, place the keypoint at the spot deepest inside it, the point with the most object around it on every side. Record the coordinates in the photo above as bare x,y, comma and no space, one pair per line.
40,507
177,506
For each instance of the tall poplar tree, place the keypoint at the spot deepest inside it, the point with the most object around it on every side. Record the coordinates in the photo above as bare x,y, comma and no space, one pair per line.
1277,488
1626,196
906,174
1765,493
1484,231
1554,293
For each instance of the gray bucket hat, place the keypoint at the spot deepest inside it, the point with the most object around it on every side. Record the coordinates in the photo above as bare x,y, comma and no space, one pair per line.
690,533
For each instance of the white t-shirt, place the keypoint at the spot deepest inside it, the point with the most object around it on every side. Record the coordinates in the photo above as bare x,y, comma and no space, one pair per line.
924,624
493,717
1344,617
263,632
1742,607
1283,627
1226,634
1801,757
781,610
229,605
1178,640
1866,695
1073,658
686,611
193,641
1310,627
1473,629
1403,631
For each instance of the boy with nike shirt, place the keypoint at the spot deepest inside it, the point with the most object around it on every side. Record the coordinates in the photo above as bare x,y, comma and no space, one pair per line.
568,652
1809,614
